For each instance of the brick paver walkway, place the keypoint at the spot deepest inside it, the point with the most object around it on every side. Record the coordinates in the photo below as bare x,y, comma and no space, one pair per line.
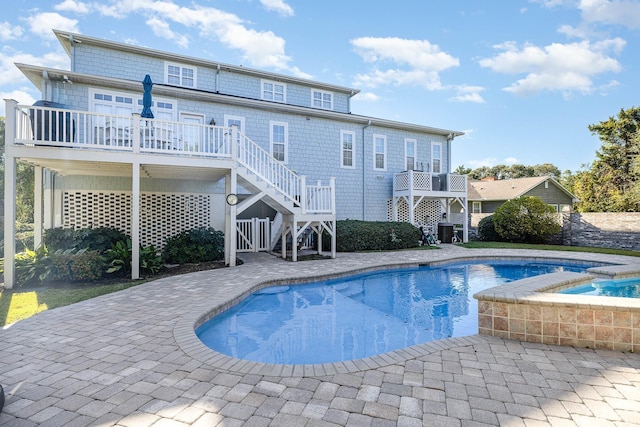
131,359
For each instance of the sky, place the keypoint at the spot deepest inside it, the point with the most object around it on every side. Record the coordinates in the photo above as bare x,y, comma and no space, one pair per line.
522,78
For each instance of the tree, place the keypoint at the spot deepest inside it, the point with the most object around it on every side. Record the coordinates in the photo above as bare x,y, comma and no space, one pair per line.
526,219
510,172
611,184
24,183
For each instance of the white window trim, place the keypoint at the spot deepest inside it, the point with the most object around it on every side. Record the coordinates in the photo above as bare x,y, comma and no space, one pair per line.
322,92
137,98
436,144
273,123
384,138
473,207
177,64
353,149
273,82
240,119
407,142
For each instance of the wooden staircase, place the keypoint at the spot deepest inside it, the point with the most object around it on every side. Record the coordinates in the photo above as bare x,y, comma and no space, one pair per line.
303,209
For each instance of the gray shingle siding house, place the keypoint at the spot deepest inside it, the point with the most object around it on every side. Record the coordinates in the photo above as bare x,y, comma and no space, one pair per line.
291,149
485,196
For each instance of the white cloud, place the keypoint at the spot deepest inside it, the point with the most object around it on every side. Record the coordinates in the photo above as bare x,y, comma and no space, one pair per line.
10,74
161,29
413,62
490,162
10,32
366,97
20,95
259,48
42,24
279,6
551,3
467,93
557,67
617,12
73,6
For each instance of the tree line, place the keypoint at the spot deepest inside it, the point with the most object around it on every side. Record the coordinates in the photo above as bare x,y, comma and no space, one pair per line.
610,184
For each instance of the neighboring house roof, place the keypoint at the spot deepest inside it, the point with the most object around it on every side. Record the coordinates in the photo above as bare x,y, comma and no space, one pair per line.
506,189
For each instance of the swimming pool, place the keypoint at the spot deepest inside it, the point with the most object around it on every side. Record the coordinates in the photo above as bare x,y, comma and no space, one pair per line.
626,288
362,315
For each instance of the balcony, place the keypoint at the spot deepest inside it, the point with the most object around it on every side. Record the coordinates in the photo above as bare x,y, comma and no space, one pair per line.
427,184
58,127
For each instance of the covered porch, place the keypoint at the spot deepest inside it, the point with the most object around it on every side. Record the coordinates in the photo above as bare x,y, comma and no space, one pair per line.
61,142
429,199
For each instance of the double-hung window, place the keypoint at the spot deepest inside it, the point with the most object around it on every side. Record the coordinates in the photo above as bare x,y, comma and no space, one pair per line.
410,154
321,99
180,75
347,141
379,152
476,207
274,91
436,157
279,139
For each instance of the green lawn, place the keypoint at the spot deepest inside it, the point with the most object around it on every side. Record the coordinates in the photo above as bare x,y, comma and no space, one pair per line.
476,244
20,304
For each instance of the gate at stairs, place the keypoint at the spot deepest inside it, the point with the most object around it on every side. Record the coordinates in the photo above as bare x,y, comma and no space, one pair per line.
253,234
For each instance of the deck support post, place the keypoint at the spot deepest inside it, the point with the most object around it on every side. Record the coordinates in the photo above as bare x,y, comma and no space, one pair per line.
10,194
135,221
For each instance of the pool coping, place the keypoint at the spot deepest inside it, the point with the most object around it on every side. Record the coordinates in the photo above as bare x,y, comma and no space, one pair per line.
187,340
532,310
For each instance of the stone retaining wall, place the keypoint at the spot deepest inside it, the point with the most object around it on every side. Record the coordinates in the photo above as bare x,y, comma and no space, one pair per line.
602,229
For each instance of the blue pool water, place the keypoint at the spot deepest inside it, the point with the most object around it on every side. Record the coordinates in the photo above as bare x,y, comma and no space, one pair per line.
626,288
362,315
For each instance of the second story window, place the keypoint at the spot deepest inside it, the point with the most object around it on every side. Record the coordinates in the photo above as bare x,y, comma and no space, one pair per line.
347,139
180,75
279,136
410,154
320,99
274,91
436,157
379,152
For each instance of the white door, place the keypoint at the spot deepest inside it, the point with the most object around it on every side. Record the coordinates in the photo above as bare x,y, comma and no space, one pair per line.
192,136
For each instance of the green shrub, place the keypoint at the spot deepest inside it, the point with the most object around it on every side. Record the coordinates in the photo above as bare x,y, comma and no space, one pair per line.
354,235
526,219
94,239
193,246
86,266
487,230
120,255
150,261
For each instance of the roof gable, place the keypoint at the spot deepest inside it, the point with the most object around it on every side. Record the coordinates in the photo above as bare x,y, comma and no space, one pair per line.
506,189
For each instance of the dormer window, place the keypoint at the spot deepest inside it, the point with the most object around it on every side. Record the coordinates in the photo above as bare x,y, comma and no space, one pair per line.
274,91
321,99
180,75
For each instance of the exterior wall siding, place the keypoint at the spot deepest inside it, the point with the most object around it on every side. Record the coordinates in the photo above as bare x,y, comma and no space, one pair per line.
117,183
122,65
552,195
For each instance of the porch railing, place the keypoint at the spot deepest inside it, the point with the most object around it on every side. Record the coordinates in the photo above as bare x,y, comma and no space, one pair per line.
41,125
426,181
47,126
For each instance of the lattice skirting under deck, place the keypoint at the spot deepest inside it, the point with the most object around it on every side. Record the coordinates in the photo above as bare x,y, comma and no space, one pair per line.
162,215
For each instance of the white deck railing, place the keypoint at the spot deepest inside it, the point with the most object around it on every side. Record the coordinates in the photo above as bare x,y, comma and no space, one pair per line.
426,181
46,126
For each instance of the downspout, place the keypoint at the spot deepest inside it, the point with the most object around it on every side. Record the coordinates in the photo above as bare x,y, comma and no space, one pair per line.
364,191
45,86
73,52
217,74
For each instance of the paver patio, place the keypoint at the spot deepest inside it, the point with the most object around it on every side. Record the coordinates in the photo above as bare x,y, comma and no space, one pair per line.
132,359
